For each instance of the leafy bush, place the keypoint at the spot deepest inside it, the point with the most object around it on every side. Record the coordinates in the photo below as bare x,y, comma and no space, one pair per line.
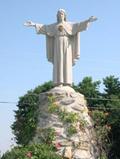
32,152
26,116
102,129
105,108
45,135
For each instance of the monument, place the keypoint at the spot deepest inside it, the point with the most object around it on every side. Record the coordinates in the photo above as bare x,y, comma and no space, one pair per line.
62,43
63,111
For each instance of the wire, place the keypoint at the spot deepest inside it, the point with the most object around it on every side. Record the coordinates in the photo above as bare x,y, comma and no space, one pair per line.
7,102
104,108
103,99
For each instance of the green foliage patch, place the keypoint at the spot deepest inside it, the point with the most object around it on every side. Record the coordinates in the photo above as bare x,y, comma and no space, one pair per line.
46,135
26,116
69,118
39,151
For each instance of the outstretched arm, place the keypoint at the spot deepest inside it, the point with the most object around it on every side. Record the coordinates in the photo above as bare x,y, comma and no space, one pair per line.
29,24
92,19
85,24
40,28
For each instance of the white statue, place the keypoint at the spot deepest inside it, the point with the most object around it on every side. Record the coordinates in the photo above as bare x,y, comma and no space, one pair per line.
62,43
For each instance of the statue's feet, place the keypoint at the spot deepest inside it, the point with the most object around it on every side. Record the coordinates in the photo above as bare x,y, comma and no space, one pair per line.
67,84
62,84
58,84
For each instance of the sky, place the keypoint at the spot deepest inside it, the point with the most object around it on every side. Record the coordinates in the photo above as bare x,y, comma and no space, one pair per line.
23,62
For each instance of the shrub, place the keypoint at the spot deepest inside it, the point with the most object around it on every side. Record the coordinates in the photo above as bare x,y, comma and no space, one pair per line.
38,151
26,116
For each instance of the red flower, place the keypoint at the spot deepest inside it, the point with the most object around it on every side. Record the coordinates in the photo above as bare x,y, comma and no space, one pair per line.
58,145
29,154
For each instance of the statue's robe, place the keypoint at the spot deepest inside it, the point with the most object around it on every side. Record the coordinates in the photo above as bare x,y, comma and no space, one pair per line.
62,48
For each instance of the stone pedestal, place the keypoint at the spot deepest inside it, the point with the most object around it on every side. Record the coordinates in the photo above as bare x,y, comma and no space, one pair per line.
65,112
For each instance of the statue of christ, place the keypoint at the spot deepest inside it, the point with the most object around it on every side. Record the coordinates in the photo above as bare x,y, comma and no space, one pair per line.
63,45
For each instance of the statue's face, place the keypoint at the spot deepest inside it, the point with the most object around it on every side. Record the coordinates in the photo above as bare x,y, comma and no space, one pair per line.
61,16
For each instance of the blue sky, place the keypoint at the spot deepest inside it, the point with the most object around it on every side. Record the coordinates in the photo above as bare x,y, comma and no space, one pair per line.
23,63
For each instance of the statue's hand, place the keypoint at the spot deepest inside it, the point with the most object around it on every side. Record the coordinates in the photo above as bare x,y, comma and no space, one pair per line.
92,19
29,24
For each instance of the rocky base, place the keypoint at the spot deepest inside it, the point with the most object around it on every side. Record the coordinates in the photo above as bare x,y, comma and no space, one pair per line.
63,114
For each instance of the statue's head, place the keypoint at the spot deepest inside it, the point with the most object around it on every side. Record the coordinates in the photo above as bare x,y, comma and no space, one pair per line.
61,15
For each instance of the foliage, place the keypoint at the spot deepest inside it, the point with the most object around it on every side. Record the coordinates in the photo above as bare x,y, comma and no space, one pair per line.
105,110
68,117
112,85
26,116
90,89
102,129
83,123
46,135
39,151
112,93
71,130
65,117
52,106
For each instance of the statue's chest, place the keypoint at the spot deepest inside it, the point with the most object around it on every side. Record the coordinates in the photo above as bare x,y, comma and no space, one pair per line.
62,30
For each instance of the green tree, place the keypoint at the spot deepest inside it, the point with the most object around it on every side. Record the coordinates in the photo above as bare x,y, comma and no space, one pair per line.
112,85
90,90
112,93
26,115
